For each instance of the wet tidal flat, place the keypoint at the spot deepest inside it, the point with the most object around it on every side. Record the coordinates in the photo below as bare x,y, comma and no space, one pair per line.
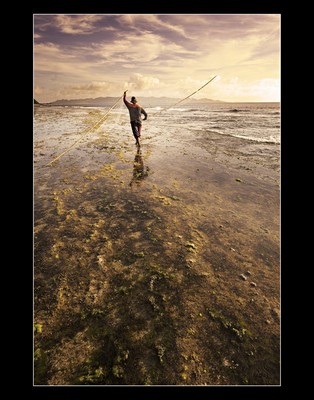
158,266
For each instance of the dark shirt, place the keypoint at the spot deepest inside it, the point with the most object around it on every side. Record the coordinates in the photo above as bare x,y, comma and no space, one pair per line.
135,111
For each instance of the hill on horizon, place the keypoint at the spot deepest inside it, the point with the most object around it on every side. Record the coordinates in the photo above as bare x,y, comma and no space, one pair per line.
109,101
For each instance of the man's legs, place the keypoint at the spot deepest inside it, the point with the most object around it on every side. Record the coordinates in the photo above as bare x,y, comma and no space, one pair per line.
139,128
136,129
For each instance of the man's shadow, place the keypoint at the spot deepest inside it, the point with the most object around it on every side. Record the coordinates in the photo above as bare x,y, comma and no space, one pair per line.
139,170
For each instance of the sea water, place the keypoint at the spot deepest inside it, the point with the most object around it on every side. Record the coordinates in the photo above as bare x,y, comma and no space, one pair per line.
258,122
241,135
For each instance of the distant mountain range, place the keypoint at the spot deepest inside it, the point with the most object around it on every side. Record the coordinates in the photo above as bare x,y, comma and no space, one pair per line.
109,101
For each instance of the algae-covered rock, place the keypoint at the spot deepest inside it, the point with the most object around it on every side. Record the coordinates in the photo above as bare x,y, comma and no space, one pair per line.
38,328
40,367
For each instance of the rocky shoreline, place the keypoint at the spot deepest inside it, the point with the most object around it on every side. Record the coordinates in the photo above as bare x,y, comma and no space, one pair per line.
159,266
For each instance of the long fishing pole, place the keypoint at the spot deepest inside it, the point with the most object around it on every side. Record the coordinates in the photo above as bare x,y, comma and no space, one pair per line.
89,130
180,101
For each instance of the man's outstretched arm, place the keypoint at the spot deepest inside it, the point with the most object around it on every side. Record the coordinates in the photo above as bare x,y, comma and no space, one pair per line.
127,103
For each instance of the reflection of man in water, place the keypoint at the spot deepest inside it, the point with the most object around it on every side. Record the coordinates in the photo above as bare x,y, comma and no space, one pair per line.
139,171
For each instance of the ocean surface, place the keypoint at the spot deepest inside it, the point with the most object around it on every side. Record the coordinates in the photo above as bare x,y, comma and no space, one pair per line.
242,135
258,122
250,121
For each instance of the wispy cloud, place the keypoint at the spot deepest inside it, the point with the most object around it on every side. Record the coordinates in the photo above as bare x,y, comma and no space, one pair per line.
157,54
140,82
77,24
237,89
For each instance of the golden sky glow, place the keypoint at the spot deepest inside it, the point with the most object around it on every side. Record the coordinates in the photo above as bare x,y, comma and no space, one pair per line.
81,56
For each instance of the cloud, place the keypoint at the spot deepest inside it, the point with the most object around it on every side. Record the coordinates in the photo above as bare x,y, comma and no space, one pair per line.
38,90
136,82
139,82
154,23
77,24
49,57
66,62
88,89
139,50
189,85
94,87
42,22
236,89
267,45
171,55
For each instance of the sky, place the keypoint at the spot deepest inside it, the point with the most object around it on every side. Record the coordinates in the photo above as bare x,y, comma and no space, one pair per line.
89,56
